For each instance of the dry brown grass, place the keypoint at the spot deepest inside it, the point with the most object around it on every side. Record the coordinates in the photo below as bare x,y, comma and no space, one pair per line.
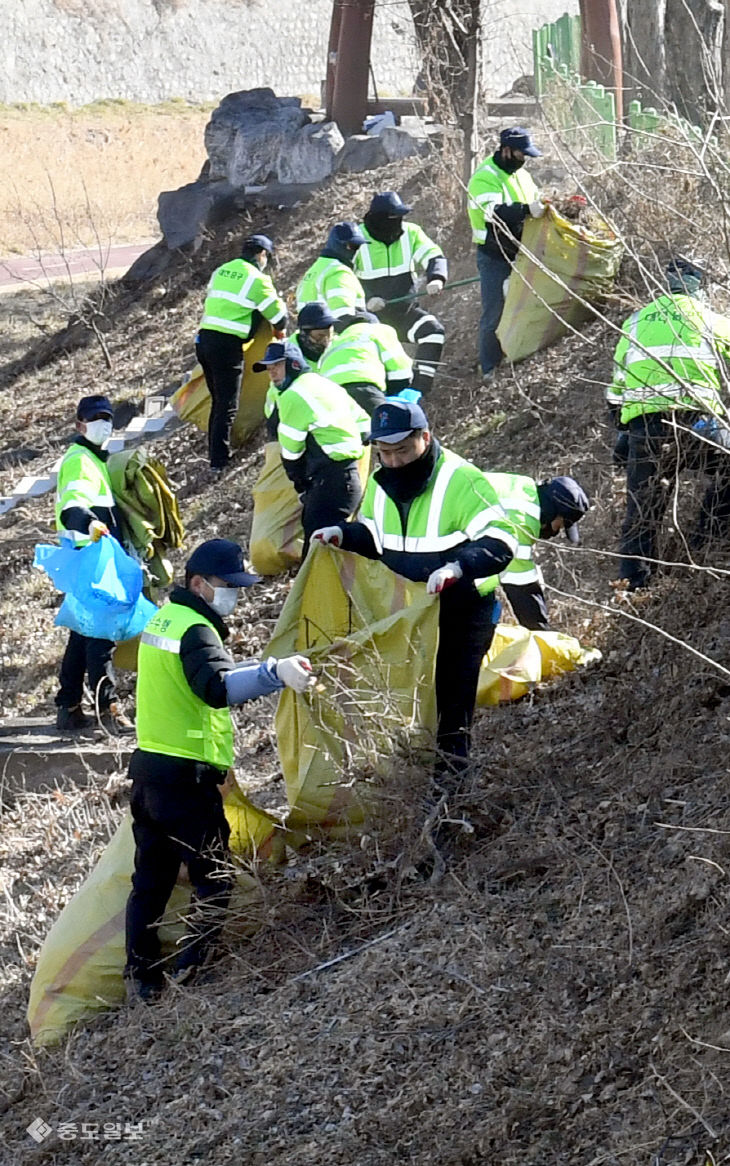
84,175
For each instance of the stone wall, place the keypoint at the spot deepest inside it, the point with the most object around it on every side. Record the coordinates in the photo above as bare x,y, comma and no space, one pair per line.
78,51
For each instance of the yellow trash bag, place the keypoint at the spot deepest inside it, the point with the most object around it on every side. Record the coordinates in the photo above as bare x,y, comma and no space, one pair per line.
538,309
277,537
371,636
80,965
151,522
191,402
518,659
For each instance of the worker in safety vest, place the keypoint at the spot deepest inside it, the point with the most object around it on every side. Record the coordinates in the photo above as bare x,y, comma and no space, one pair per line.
670,354
388,265
186,683
319,429
85,512
330,280
367,359
433,517
239,294
532,508
314,332
501,196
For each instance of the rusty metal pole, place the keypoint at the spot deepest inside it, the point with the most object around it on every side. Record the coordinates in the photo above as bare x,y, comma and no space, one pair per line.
334,39
601,58
350,93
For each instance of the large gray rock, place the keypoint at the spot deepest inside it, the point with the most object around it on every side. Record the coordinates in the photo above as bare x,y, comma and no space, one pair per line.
362,152
311,155
399,142
247,133
184,214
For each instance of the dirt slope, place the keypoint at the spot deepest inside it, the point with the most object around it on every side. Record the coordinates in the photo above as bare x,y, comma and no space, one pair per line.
560,996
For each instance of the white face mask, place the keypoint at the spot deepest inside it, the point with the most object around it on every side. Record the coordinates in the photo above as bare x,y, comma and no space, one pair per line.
224,600
98,432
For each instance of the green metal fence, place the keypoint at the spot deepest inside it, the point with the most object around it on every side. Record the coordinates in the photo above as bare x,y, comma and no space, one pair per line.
584,111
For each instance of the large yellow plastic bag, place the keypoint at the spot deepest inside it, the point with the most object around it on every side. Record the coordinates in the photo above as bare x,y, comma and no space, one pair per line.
80,965
371,636
191,402
519,659
538,308
277,537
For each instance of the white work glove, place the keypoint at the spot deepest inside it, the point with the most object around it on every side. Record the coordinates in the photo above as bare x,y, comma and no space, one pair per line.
329,536
295,672
537,208
445,577
375,304
97,530
434,287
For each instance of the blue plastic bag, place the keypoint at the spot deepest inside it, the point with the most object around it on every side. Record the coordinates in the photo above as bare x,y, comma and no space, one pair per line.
103,586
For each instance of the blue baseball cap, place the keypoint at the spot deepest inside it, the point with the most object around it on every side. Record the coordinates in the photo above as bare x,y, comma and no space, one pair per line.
389,203
315,315
517,138
281,350
393,421
89,408
221,557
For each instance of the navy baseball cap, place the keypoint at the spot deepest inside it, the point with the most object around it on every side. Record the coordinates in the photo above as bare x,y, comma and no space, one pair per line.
280,350
393,421
389,203
517,138
90,408
315,315
346,234
221,557
259,243
570,503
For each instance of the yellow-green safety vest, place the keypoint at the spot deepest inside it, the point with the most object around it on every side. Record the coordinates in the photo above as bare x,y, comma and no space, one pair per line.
83,480
312,404
332,283
365,353
458,506
490,187
517,495
171,719
236,290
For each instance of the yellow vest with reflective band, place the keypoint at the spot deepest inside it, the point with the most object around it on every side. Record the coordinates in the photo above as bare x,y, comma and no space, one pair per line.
490,187
458,506
669,356
518,497
332,283
171,719
236,290
315,405
410,253
83,480
366,353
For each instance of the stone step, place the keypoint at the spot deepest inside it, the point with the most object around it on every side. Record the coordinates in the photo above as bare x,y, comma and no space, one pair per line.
34,755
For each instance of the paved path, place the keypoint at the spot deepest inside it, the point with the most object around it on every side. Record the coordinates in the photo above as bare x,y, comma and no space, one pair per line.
24,271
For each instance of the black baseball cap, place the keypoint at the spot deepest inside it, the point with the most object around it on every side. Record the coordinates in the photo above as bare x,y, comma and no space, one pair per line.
393,421
315,315
223,558
390,203
517,138
89,408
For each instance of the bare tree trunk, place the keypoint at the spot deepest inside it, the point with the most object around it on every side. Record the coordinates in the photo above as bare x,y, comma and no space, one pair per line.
676,53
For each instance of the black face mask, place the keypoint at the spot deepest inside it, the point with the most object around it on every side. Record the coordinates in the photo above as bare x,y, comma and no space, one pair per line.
312,349
384,228
509,165
404,483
